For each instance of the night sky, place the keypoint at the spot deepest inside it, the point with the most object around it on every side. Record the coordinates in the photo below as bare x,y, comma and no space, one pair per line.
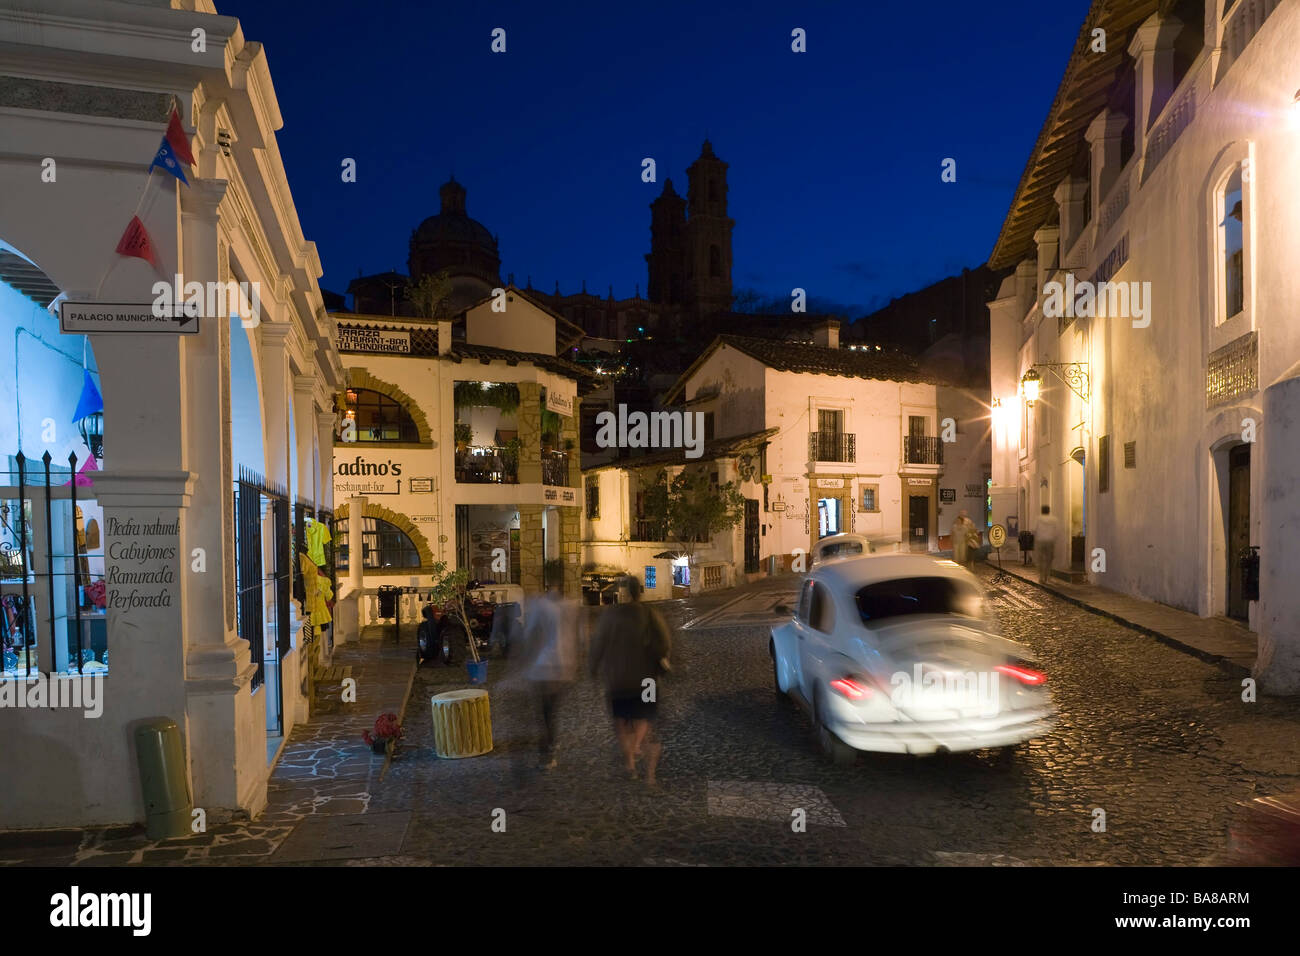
835,153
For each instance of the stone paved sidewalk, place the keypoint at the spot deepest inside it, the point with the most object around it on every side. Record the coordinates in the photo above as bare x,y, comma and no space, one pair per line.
1215,640
325,771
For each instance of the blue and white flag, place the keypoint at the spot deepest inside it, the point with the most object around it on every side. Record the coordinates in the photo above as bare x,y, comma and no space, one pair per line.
166,159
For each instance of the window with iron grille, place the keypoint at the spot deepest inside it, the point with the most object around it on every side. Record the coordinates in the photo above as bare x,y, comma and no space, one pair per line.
1103,464
870,497
1130,454
383,546
593,497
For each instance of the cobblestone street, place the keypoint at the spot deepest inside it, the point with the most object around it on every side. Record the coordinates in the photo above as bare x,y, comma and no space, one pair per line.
1159,740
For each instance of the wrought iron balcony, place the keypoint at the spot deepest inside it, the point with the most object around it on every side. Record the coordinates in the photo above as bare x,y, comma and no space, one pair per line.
487,465
832,446
922,450
555,469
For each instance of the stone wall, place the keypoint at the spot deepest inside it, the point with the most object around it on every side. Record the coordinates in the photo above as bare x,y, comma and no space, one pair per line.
530,546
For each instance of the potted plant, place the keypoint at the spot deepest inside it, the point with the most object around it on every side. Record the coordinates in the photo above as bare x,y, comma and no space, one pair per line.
464,435
450,592
388,730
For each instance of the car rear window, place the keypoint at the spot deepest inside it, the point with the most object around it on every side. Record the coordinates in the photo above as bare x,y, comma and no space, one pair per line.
925,595
842,547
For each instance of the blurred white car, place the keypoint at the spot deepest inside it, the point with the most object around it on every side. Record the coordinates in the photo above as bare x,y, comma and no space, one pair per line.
849,545
894,653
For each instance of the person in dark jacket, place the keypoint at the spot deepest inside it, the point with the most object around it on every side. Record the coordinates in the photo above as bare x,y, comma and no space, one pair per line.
630,653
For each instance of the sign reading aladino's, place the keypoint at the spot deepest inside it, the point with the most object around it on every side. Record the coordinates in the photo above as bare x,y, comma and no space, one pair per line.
559,402
354,339
82,317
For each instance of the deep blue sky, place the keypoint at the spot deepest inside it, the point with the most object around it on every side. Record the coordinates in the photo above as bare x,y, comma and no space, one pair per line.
835,153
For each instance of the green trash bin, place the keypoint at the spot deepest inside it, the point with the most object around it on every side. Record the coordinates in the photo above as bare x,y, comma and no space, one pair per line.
162,779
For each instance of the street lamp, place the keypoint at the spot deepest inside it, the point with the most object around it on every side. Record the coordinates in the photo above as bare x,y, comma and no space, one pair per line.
1030,386
92,432
1073,374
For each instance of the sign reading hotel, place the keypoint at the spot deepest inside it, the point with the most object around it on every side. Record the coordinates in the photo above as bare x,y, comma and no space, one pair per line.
355,339
140,570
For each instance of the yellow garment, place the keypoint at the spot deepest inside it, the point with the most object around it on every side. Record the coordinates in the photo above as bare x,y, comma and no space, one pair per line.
316,591
317,535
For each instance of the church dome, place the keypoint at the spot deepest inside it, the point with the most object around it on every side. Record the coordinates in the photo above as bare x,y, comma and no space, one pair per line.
451,223
453,241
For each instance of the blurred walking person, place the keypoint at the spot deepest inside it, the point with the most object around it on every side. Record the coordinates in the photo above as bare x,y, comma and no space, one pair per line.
550,638
962,530
630,653
1046,533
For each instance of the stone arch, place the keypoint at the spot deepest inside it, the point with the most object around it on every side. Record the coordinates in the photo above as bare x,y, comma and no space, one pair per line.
361,378
397,520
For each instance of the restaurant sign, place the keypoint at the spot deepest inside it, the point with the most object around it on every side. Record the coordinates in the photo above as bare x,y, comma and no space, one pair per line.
357,339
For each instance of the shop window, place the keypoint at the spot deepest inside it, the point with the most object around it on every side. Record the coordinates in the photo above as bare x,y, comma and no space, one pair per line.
379,418
50,546
383,546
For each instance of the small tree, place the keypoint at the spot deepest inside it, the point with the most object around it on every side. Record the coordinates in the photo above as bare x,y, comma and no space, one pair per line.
692,507
430,294
450,589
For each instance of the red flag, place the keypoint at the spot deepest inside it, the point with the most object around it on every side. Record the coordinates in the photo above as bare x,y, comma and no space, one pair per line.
180,143
136,242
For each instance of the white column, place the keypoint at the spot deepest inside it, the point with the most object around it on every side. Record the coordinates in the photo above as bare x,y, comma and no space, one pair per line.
226,733
275,400
325,451
304,435
1278,665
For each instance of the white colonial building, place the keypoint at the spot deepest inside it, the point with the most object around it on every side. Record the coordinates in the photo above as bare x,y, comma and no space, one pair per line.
457,444
1163,184
166,561
821,439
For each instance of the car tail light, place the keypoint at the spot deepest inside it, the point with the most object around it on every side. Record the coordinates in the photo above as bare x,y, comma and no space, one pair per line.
1026,675
852,689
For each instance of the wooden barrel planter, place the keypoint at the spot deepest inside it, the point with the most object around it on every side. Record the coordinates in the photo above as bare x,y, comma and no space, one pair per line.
462,723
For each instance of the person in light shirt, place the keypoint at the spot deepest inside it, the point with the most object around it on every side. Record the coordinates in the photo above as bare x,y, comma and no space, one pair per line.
1046,533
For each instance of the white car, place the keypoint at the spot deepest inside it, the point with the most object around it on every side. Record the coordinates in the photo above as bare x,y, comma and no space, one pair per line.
894,653
849,545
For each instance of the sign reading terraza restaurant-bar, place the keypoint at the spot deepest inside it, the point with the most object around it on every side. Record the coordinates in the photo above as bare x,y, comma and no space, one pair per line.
354,339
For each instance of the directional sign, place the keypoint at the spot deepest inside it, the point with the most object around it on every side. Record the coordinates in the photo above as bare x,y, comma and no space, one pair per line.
81,317
997,536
